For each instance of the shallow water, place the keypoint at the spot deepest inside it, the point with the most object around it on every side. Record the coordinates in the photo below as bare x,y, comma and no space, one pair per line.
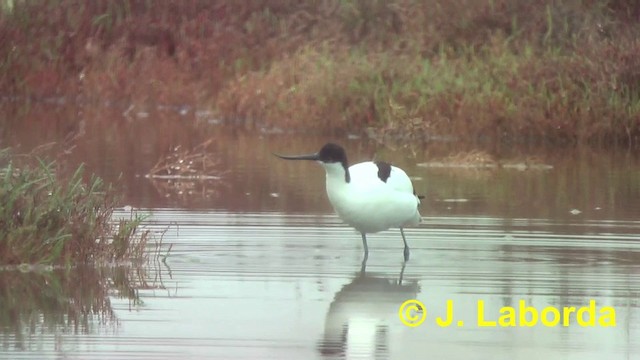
271,285
258,267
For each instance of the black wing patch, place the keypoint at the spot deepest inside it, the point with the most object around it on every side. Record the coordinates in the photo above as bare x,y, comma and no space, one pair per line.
384,170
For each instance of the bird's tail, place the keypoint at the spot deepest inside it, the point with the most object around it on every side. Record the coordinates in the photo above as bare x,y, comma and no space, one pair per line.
418,218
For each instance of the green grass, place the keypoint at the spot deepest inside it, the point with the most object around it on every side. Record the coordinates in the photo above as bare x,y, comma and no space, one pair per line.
47,218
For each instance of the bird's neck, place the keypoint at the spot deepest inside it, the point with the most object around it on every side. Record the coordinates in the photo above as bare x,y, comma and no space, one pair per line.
338,186
337,174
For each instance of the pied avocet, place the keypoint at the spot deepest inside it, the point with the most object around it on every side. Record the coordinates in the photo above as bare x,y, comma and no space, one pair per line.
369,196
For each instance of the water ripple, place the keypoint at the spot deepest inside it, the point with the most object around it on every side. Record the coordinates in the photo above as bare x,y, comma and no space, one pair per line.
275,286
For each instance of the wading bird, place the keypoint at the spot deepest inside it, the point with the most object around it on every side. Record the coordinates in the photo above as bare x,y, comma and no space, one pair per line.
369,196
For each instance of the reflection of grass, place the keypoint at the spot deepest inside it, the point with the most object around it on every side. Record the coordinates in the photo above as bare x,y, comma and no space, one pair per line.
576,181
46,300
73,300
49,218
37,299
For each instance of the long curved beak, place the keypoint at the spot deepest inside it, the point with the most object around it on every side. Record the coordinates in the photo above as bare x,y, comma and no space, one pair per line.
315,156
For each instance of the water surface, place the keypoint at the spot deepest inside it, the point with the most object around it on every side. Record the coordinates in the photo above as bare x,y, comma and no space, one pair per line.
269,285
259,268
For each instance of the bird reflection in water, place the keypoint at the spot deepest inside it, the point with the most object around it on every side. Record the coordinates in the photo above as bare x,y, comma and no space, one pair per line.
357,323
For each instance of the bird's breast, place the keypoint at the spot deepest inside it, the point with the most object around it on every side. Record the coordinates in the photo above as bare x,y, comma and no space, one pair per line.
371,207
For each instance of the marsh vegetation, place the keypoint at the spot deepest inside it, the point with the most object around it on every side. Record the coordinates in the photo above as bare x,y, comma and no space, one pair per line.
48,217
547,72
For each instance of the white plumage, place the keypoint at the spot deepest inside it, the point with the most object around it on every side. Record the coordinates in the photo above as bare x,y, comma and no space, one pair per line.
369,204
369,196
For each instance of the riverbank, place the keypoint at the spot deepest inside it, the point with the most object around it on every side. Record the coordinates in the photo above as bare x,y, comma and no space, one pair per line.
500,71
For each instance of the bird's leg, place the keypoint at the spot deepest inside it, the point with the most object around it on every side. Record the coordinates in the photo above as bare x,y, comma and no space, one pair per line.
404,264
363,267
366,248
406,247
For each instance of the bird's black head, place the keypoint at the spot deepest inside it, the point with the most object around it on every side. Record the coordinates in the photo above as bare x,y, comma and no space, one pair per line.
332,153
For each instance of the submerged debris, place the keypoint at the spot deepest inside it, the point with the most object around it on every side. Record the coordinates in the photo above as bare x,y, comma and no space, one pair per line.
186,172
481,160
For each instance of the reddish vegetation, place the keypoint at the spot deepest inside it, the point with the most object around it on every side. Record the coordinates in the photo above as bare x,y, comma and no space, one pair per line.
565,72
